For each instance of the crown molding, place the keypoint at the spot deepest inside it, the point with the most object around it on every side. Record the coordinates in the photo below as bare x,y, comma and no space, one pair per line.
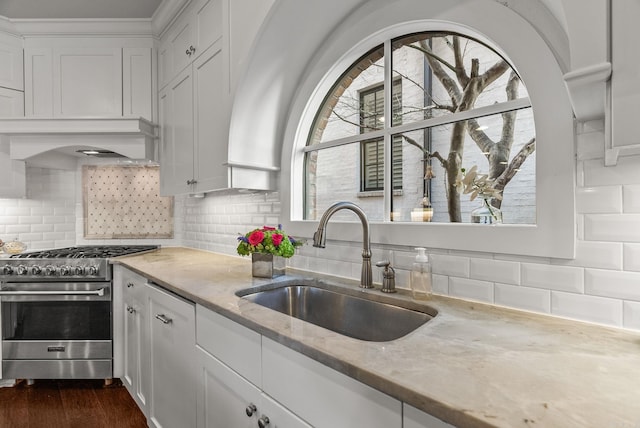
80,27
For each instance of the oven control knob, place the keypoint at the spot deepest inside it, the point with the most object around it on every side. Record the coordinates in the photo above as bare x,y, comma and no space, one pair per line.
22,270
7,270
50,270
36,270
93,270
78,270
65,270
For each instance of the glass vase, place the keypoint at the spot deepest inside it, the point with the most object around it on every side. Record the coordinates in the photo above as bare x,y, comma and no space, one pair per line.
486,214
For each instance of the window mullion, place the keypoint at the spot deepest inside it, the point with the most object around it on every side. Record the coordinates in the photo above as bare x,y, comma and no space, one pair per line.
388,122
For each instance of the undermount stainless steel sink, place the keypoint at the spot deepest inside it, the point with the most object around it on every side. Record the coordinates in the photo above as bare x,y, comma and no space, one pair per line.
369,317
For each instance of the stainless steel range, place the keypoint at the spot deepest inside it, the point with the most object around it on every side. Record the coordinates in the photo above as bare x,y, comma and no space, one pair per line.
56,308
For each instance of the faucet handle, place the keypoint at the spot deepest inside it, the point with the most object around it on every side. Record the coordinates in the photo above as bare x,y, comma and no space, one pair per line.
388,277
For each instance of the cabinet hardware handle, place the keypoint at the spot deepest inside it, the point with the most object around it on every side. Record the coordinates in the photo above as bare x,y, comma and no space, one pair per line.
194,181
263,422
131,309
129,284
187,52
164,319
251,409
192,49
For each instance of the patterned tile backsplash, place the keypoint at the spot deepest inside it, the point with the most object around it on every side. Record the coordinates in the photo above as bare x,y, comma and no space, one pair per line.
124,202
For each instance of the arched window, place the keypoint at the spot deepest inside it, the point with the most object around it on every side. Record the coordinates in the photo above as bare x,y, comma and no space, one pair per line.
378,154
457,109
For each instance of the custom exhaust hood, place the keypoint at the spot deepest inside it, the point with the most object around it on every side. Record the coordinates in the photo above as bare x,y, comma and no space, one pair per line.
133,138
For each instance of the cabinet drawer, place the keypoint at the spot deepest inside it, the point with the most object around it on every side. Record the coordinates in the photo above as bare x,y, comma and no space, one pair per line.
322,396
235,345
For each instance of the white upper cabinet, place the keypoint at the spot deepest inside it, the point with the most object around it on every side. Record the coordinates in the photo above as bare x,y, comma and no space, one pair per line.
197,28
11,63
74,79
87,82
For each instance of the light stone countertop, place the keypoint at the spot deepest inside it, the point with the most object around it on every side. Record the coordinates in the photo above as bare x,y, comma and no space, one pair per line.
473,365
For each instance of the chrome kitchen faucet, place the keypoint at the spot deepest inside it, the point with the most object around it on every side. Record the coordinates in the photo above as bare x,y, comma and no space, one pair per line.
319,237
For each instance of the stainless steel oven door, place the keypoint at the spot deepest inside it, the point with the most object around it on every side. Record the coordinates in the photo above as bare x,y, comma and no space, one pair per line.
56,330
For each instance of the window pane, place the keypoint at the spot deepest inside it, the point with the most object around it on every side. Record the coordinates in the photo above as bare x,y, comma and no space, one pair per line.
332,175
341,114
485,144
436,72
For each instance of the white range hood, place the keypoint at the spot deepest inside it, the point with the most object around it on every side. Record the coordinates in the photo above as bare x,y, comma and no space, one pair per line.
134,138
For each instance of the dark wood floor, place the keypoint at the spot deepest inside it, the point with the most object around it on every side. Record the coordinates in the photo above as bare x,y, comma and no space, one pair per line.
69,404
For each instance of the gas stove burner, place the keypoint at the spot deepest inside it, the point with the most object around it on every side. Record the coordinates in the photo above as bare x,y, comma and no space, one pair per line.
81,263
86,252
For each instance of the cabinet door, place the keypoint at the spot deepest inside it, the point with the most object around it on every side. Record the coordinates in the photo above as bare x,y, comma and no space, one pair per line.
207,15
181,42
225,399
11,64
135,375
87,82
211,120
414,418
172,401
335,401
176,136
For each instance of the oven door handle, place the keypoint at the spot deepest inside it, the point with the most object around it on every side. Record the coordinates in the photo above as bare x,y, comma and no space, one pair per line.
98,292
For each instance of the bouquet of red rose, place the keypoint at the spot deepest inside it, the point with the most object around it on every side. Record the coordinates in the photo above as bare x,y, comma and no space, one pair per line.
268,240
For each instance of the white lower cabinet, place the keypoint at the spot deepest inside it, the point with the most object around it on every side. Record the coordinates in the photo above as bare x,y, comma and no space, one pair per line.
135,370
187,366
172,399
154,350
227,398
322,396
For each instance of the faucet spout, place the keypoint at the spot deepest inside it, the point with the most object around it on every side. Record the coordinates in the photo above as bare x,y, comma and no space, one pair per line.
319,237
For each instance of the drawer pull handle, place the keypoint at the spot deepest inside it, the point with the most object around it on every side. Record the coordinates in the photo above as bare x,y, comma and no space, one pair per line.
129,284
130,309
263,422
164,319
251,409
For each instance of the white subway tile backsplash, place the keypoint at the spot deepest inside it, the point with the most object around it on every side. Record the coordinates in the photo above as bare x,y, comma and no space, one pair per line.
609,283
530,299
631,197
612,227
602,199
471,289
562,278
631,257
603,255
600,310
450,265
631,315
627,171
440,284
495,271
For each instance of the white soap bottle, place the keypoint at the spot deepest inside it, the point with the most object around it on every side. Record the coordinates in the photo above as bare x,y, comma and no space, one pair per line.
421,275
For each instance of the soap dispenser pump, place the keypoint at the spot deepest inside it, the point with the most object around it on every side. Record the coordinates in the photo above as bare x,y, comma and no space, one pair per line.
421,275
